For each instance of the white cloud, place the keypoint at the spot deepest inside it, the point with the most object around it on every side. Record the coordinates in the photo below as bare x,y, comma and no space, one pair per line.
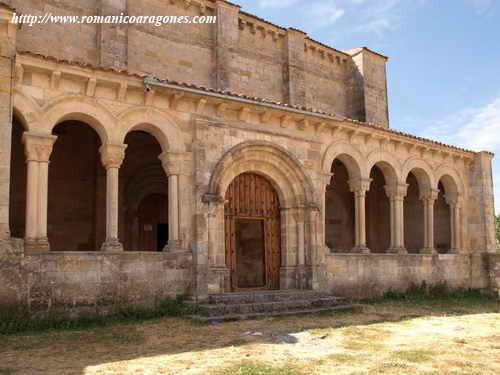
324,13
474,128
379,17
477,129
481,6
276,3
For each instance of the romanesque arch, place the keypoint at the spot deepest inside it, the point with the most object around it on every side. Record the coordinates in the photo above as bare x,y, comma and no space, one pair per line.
417,175
157,123
78,108
295,193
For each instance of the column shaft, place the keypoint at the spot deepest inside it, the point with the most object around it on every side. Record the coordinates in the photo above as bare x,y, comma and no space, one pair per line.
173,211
31,204
43,183
112,156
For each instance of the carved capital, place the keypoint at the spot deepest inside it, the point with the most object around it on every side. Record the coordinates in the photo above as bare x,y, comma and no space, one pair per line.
175,163
429,195
38,147
396,191
212,198
453,199
112,155
360,186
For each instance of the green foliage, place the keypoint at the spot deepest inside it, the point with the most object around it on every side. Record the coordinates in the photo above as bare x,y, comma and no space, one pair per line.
19,318
497,227
438,293
257,368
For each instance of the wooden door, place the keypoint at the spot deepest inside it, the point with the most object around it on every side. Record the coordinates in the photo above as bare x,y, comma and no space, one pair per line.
253,205
153,222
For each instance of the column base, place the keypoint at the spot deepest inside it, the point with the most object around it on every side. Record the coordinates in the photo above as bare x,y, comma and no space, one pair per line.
174,245
428,250
112,245
360,249
397,250
455,251
4,232
43,244
31,245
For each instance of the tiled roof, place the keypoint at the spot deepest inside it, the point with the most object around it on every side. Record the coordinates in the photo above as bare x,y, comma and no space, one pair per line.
255,99
5,5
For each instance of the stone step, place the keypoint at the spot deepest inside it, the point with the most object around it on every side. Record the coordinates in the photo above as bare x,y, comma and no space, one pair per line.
265,296
211,310
271,314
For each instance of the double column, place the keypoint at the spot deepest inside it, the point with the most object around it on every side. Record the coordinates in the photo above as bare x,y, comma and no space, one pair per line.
112,156
38,148
359,187
396,194
175,166
428,198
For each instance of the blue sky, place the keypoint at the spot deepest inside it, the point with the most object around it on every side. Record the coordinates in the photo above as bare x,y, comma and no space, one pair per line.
444,59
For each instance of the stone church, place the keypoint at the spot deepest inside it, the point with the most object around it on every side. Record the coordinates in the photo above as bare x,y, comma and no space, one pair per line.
141,162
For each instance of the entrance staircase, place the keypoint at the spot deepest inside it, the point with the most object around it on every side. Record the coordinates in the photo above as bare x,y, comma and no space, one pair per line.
237,306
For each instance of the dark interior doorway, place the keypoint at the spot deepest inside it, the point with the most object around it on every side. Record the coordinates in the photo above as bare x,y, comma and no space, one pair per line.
250,253
161,236
153,230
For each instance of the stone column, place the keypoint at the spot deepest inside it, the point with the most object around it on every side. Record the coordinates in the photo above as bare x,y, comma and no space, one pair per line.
112,156
454,201
359,187
326,179
396,194
428,198
174,164
7,57
38,148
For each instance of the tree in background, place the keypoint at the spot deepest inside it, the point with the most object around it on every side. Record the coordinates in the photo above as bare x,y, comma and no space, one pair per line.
497,222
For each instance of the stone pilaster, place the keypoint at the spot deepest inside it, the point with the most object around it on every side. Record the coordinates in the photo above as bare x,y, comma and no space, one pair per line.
113,37
480,205
428,198
396,194
372,84
7,59
294,73
359,187
227,40
38,148
112,156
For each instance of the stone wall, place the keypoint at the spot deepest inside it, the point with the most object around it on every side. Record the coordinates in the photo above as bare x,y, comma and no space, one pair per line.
91,282
369,276
239,53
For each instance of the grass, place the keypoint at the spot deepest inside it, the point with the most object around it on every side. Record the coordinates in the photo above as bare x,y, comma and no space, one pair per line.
257,368
419,334
18,318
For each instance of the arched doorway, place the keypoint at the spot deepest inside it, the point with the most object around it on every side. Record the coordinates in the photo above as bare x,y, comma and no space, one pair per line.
153,223
143,195
252,233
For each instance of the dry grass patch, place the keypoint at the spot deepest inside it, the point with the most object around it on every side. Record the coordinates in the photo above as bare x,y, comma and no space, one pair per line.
382,338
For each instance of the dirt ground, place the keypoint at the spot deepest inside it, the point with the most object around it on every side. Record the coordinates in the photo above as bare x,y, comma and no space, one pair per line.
384,338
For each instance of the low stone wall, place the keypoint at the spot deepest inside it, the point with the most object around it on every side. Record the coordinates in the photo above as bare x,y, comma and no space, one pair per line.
494,268
92,282
361,276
